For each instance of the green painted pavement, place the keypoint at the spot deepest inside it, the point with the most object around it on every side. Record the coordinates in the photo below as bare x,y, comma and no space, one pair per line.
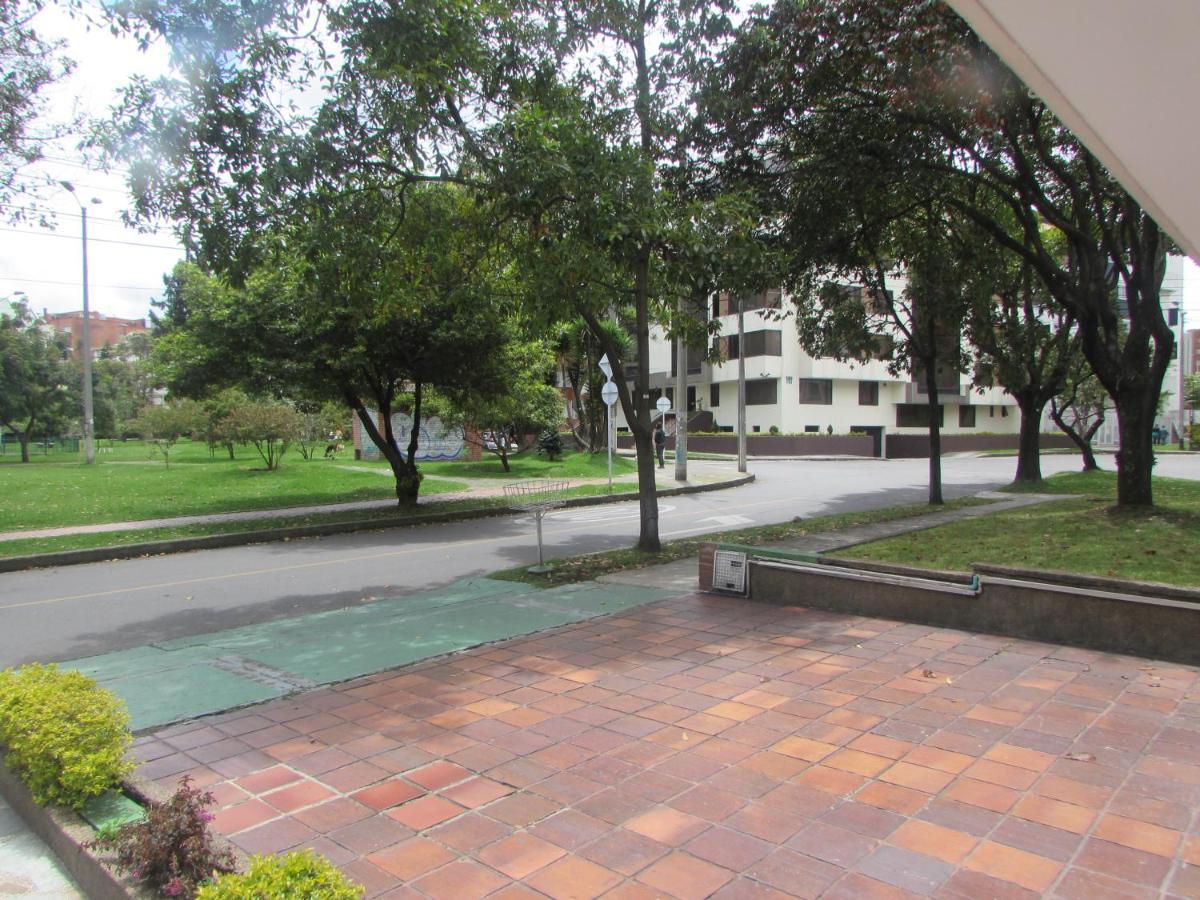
182,679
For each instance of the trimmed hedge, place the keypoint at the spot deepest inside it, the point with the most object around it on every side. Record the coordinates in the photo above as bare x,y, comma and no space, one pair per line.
298,874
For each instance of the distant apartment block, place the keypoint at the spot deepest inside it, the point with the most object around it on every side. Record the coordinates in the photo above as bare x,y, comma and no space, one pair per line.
106,331
789,390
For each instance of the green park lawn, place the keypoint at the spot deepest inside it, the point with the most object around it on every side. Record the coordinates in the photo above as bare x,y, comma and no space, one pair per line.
128,483
1086,533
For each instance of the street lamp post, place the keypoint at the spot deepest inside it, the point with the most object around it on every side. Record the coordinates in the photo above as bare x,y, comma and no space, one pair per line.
741,387
1180,361
89,448
609,394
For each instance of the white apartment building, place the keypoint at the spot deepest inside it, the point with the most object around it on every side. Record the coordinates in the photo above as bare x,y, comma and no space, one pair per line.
789,390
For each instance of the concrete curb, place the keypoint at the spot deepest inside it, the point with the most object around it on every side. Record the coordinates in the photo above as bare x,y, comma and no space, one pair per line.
65,833
241,538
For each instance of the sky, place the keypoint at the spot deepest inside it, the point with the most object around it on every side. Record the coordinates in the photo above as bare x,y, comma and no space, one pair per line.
126,266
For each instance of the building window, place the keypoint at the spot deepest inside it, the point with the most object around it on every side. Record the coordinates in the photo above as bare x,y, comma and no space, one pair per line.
812,429
762,392
916,415
868,393
714,396
758,343
816,390
966,417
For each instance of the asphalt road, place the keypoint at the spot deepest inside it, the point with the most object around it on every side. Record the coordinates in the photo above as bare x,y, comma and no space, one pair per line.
76,611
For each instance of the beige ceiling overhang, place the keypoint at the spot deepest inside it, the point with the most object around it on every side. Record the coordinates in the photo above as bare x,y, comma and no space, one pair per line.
1123,75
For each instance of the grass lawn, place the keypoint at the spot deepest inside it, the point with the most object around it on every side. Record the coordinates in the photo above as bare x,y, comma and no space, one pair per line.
587,567
1086,533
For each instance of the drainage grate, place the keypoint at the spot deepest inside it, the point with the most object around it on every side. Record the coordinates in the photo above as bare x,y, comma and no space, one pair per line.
255,671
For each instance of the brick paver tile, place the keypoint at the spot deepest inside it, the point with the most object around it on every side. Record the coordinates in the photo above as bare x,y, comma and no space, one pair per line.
1069,790
242,816
980,793
571,829
573,878
998,773
1138,835
832,781
684,876
804,748
461,880
388,794
377,882
795,874
521,809
274,837
624,851
1036,873
438,775
333,814
1055,813
476,792
918,778
354,776
297,796
520,855
941,843
469,832
268,779
731,849
891,796
412,858
368,835
905,869
832,844
424,812
1034,760
1081,884
966,884
856,886
882,746
866,764
864,819
667,826
942,760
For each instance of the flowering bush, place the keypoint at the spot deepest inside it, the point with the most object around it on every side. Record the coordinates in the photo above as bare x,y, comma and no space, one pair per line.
170,851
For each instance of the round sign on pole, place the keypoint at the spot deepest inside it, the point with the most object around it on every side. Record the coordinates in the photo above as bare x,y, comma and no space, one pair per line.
609,393
663,404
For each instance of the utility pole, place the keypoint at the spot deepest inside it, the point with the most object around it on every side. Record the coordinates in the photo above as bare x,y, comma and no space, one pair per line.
741,390
1180,363
681,402
89,447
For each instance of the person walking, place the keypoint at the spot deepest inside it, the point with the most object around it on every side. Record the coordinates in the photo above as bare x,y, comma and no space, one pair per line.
660,443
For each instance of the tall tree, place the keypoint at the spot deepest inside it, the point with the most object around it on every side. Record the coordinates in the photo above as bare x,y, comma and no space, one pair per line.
568,115
913,93
36,386
364,303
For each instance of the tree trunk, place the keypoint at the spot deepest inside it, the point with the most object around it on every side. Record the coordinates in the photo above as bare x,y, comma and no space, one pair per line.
1083,442
935,433
409,486
23,440
1029,459
1135,458
386,443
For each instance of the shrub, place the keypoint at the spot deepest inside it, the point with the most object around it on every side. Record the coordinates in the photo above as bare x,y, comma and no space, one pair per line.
171,850
66,736
550,444
298,874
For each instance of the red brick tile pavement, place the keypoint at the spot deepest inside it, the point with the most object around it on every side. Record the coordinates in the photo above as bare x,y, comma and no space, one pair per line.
714,747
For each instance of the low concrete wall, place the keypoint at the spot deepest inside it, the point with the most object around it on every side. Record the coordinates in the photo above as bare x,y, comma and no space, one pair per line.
916,446
773,444
1137,618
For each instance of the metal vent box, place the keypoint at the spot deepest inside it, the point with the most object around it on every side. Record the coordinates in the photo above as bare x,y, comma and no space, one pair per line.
729,571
